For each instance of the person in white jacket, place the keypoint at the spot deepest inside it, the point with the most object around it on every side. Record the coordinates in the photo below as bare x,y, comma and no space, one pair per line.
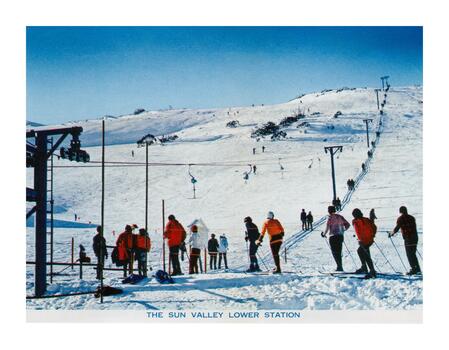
222,249
195,249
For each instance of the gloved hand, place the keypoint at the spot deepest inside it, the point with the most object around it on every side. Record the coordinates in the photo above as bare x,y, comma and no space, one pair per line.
258,242
390,234
246,238
323,234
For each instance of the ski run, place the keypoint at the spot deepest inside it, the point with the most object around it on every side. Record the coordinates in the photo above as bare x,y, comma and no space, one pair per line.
292,173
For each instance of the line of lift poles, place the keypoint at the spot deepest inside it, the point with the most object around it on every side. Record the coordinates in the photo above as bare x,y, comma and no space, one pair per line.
38,155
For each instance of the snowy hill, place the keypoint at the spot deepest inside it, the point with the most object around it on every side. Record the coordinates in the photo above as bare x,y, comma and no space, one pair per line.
221,156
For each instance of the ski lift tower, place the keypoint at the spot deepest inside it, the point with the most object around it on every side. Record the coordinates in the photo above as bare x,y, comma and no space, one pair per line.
37,155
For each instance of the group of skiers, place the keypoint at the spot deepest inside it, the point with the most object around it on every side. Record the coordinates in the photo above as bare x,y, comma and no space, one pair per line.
365,230
306,220
337,203
130,246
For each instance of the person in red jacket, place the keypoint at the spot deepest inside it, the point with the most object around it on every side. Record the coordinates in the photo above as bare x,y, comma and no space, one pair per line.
142,247
276,233
174,234
125,246
365,230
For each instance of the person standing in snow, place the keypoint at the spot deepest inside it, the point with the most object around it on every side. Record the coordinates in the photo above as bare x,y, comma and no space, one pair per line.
304,219
338,204
142,248
252,235
125,246
336,226
222,250
263,149
309,221
407,224
276,233
212,247
175,235
254,169
365,230
100,250
372,216
195,249
254,150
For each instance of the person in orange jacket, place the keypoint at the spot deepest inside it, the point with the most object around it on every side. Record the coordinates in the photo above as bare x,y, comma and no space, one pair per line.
142,247
276,233
174,234
365,230
125,246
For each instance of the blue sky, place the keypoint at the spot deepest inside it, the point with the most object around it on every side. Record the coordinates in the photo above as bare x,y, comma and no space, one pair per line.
88,72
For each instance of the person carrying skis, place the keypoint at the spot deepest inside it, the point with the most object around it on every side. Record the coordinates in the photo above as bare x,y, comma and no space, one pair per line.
125,248
336,226
174,234
304,219
309,221
100,251
276,233
222,249
195,249
252,235
212,247
407,224
365,230
142,248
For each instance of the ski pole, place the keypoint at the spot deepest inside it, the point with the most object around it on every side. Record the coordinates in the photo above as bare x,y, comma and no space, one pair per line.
349,252
388,261
247,252
394,245
263,262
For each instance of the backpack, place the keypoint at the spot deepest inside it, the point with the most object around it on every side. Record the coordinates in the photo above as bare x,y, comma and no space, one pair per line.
107,290
163,277
114,258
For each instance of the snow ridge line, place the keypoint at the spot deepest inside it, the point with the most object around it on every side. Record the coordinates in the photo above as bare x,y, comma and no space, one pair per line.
298,237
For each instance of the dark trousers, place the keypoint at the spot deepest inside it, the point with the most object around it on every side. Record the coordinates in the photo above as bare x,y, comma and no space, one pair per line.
365,257
141,256
275,248
253,254
410,250
174,258
336,243
304,224
213,260
222,256
194,257
100,265
309,225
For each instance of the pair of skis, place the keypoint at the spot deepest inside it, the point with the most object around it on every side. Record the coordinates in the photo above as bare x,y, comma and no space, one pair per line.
362,276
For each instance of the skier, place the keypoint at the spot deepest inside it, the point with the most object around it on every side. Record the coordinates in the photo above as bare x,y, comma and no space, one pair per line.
336,226
263,149
276,233
363,167
304,219
252,235
100,251
348,183
132,154
338,202
195,249
212,247
365,230
175,235
254,150
407,224
142,247
372,215
309,221
76,217
183,250
254,169
125,248
222,249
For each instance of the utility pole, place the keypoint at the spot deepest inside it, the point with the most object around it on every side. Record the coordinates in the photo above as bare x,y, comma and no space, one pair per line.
367,131
101,258
377,96
333,150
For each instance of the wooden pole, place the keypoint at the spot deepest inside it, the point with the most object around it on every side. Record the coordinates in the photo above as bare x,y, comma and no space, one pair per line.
73,251
163,240
205,260
100,265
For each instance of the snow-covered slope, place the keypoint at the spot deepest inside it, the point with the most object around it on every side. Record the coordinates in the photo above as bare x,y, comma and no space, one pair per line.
224,198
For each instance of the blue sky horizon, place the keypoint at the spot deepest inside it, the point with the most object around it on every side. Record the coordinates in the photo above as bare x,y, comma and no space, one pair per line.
78,73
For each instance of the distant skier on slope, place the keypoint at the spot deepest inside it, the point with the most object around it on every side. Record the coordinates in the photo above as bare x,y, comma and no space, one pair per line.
222,250
195,249
407,224
336,226
304,219
175,235
309,221
276,233
372,215
212,247
365,230
252,235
